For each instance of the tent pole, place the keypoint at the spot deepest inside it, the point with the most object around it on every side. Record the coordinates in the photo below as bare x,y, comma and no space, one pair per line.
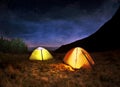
41,55
76,56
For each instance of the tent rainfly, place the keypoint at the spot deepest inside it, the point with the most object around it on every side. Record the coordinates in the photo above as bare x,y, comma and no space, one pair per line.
40,53
77,58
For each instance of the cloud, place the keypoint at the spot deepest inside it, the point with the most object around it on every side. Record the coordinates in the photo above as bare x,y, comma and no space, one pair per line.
56,26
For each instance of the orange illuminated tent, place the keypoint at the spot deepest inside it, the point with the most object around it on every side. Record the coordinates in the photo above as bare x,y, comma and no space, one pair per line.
40,53
77,58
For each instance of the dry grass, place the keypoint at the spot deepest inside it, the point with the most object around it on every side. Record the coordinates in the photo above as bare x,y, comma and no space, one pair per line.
19,71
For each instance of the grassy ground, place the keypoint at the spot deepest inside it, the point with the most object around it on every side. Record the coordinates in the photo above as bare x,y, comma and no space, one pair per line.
19,71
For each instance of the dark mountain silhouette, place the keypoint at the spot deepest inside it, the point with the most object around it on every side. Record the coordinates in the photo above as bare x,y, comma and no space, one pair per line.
106,38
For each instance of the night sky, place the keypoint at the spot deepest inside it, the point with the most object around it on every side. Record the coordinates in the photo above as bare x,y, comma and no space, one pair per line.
53,22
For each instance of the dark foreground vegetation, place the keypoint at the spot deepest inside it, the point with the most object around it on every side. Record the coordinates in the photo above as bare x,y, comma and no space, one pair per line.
15,45
16,70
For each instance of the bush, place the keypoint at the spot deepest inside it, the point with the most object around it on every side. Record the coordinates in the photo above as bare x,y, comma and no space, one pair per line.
13,46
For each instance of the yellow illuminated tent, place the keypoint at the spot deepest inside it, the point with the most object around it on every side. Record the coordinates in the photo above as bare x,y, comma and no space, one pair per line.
40,53
78,57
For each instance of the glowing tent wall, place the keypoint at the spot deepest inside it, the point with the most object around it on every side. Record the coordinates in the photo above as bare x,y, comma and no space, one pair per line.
78,57
40,53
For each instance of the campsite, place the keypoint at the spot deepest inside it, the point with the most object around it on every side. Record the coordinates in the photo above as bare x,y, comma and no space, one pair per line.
16,70
83,33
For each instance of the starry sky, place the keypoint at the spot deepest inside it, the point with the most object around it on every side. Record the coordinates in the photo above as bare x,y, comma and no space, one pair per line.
53,22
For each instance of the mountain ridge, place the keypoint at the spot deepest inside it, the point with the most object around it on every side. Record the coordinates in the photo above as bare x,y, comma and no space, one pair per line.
106,38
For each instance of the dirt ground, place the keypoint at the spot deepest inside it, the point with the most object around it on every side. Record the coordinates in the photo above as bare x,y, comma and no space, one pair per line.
16,70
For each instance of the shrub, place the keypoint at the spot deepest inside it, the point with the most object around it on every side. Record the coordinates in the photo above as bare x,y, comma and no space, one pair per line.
13,45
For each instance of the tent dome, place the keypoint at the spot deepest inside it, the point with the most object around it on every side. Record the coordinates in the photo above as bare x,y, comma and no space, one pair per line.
40,53
78,57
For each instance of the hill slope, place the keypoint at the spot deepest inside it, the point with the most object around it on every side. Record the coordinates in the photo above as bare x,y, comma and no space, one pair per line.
106,38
